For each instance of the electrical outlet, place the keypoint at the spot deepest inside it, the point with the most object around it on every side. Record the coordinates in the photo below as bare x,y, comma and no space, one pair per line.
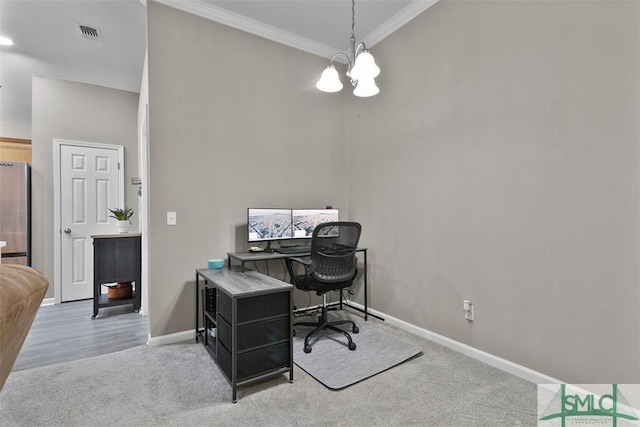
467,309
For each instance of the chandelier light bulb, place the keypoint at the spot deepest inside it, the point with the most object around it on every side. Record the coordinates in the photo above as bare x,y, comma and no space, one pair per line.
366,88
329,80
365,67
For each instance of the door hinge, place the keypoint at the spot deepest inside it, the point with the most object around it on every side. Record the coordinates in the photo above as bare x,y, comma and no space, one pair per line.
118,165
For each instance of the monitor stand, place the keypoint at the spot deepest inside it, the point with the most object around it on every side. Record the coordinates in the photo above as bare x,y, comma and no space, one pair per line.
268,249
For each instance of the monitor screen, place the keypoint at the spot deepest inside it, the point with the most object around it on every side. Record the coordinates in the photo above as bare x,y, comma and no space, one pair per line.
268,224
305,220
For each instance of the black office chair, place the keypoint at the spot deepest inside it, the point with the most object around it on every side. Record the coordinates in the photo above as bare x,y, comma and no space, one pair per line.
332,266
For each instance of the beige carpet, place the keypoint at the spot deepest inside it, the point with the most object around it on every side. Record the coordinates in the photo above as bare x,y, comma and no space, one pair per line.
179,385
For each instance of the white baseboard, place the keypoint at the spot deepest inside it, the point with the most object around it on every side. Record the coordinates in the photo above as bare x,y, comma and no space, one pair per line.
48,301
495,361
172,338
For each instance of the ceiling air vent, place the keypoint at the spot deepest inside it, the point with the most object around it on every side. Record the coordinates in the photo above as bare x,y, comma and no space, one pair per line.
90,33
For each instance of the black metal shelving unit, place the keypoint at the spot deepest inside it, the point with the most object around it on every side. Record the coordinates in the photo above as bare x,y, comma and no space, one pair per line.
116,258
250,314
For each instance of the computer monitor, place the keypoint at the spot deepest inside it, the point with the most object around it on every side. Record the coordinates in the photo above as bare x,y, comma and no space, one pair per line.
268,224
305,220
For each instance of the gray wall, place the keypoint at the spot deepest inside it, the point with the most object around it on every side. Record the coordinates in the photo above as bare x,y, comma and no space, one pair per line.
500,164
82,112
231,117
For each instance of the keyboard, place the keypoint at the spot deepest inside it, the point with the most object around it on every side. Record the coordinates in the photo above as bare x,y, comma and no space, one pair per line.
294,250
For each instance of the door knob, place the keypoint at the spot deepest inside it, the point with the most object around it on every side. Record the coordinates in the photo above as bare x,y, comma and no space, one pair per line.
67,230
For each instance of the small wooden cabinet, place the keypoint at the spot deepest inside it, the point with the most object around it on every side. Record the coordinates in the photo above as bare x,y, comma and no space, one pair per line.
247,324
116,258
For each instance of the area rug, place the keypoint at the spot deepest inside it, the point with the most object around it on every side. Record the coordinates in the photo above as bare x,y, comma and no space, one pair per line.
335,366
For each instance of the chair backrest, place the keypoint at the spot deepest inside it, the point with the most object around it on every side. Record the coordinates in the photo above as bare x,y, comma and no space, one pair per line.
333,251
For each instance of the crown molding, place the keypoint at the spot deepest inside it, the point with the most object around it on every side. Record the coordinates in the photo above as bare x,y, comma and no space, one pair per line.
234,20
398,20
248,25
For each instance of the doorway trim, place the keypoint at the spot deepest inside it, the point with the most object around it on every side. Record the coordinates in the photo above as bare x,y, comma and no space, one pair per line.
57,226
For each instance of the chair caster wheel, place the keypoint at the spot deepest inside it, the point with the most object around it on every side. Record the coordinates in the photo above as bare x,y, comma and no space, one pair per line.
307,349
355,329
352,346
93,317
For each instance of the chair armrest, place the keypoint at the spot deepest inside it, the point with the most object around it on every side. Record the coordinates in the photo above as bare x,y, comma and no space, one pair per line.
292,270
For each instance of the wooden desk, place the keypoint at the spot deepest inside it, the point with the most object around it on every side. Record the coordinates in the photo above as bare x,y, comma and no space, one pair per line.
244,257
247,324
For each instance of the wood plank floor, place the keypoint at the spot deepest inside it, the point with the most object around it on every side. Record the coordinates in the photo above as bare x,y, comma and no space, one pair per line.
64,332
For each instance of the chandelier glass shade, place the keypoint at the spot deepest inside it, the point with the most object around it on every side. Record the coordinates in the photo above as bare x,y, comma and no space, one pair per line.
361,68
330,80
365,88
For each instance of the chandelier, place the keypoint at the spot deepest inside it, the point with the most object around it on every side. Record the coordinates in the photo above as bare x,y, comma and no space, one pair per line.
361,68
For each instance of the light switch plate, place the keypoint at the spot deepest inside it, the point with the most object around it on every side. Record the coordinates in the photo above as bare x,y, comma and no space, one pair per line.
171,218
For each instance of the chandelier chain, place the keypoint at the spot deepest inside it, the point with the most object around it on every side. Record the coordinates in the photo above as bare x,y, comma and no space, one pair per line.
353,18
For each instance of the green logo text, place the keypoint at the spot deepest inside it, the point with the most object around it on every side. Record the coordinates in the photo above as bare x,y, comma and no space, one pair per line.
565,405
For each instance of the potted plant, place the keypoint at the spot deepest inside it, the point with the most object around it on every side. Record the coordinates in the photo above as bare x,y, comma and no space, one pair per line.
123,216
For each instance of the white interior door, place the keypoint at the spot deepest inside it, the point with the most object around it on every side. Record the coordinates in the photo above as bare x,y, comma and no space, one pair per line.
91,182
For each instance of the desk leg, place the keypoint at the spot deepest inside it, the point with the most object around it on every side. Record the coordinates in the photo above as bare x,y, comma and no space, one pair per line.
291,336
366,306
366,286
366,297
197,302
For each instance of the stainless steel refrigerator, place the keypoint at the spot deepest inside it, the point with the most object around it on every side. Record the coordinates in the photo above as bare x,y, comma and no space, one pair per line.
15,212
